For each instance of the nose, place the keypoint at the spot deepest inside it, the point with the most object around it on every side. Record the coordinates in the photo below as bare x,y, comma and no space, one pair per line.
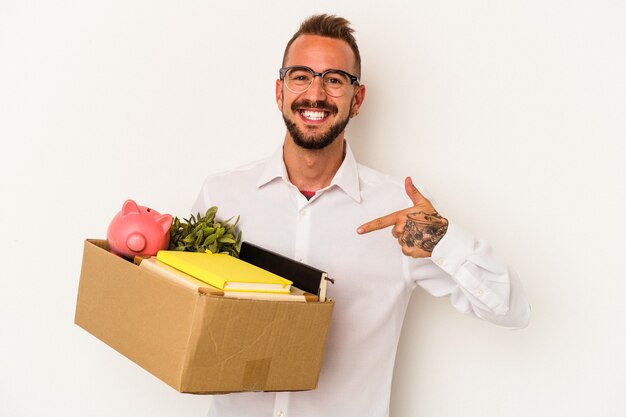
316,90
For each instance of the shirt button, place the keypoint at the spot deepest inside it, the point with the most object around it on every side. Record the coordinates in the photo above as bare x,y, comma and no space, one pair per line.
480,292
280,413
303,213
440,262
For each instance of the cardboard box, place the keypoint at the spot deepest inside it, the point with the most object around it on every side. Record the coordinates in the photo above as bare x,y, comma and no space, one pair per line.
195,341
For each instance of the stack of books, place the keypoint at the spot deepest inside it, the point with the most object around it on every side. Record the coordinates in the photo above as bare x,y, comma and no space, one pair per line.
257,274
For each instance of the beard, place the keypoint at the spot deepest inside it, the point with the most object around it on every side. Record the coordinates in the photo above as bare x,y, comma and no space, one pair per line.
313,140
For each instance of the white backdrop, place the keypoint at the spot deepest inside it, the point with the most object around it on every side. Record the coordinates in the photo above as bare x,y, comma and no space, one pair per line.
512,113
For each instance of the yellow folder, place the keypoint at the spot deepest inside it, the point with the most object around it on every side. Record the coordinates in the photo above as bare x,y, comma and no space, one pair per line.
225,272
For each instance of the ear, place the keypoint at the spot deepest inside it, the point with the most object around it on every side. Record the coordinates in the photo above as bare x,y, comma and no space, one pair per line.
359,97
165,221
130,207
279,94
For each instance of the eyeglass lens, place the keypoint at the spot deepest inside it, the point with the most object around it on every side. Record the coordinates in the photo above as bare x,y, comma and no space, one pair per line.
298,80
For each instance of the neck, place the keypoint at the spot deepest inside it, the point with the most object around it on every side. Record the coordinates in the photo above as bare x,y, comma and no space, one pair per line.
312,169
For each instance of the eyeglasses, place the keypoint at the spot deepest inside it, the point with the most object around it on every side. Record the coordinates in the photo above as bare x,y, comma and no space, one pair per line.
298,79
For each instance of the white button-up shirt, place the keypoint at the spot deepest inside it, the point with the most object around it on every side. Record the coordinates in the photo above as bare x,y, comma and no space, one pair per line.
373,279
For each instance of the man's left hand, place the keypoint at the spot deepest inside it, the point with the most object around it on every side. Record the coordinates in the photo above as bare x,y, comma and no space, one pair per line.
418,228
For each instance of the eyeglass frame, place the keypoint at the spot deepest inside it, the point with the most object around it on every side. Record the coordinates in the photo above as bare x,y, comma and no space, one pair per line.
283,72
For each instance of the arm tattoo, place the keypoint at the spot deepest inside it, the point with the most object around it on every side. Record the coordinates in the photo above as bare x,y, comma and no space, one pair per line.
424,230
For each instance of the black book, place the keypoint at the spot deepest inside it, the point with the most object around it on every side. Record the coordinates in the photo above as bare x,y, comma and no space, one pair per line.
303,276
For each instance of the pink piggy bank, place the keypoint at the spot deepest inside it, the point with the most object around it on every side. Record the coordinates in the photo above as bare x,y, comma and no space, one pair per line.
138,230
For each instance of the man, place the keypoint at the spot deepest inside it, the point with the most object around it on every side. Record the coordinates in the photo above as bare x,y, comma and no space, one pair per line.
307,202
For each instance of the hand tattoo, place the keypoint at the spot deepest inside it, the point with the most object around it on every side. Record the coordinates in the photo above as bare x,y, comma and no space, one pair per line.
424,230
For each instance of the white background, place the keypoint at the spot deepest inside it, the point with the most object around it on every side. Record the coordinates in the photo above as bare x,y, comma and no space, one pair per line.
512,113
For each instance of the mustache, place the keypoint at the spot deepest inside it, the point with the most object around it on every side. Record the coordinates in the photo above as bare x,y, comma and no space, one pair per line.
317,105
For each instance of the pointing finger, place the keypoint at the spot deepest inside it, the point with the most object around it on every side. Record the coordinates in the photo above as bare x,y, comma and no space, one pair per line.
377,224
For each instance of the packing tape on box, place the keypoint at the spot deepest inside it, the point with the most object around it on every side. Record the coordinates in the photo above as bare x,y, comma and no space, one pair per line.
256,373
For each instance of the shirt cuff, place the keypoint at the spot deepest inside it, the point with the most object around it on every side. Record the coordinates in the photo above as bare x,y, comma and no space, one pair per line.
472,265
453,249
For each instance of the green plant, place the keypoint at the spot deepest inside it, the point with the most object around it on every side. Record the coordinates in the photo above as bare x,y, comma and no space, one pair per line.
202,233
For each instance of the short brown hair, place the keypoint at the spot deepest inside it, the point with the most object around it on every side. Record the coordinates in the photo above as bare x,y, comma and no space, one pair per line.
329,26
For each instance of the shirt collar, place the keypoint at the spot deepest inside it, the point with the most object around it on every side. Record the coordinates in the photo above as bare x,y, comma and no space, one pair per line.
346,178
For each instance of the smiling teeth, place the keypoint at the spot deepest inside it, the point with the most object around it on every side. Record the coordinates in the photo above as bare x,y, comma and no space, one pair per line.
314,115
